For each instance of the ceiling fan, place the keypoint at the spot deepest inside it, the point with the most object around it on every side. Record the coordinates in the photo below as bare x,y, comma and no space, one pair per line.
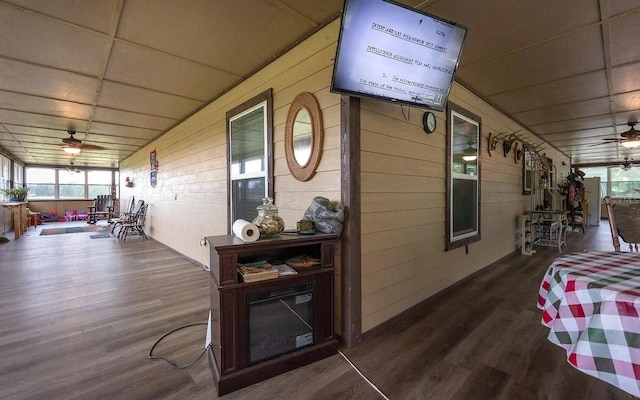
74,146
630,138
626,165
73,168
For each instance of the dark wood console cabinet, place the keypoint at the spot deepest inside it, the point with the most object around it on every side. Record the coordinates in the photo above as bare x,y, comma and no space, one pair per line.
229,327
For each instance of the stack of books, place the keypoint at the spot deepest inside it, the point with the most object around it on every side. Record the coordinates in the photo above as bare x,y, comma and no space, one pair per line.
257,271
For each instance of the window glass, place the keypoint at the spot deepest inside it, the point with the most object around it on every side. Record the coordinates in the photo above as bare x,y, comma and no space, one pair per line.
463,177
624,183
248,162
248,194
615,181
117,179
250,175
18,170
41,183
71,184
5,178
598,172
6,168
99,182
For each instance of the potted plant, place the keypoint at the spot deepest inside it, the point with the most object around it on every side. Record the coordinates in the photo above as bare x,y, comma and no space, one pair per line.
16,193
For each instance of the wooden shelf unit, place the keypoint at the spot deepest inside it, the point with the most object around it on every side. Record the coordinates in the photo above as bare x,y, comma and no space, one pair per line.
228,326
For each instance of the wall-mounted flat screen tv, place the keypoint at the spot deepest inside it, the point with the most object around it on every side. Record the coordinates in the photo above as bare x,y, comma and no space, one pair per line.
394,53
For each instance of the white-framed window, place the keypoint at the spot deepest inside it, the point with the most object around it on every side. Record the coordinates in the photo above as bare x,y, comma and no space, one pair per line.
463,177
616,181
99,182
250,156
18,173
60,183
71,184
41,183
5,173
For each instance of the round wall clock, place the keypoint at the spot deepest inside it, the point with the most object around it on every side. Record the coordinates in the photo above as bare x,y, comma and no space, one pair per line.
429,122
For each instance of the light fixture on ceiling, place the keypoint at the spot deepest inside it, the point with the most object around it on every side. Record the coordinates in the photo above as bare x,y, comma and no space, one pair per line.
71,150
469,154
72,168
630,144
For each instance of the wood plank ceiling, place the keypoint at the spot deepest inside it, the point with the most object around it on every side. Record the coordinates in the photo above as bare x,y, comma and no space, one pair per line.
122,72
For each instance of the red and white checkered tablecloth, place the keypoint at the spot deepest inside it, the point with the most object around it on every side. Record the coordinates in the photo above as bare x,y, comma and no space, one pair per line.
591,303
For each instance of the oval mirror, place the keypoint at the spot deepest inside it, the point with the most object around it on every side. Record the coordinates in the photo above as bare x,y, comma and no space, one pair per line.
303,136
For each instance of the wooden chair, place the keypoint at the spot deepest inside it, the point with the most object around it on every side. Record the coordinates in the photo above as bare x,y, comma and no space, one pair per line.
624,221
102,207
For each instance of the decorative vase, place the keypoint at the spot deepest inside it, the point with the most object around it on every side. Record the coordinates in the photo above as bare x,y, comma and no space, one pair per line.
268,222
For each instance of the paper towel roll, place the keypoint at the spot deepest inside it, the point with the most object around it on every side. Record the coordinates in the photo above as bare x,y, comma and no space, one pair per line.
245,230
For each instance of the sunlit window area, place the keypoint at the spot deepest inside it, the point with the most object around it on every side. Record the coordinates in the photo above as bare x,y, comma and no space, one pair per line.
5,177
58,183
71,184
616,181
41,183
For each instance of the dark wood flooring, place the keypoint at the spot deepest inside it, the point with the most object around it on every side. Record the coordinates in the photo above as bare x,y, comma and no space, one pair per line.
78,317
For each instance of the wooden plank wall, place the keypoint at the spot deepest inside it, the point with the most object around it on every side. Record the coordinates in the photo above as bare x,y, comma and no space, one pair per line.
403,206
190,199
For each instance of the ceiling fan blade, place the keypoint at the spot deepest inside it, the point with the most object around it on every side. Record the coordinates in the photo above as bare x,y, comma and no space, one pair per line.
84,146
599,144
70,140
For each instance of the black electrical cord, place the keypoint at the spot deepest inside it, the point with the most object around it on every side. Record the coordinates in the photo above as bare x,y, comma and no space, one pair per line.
174,365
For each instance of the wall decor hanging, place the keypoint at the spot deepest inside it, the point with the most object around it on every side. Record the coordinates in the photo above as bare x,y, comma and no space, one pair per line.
153,164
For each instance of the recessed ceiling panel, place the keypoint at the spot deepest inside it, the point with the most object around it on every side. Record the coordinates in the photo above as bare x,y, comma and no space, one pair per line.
137,120
124,131
621,6
316,11
545,62
574,124
129,98
563,91
162,72
570,136
626,78
498,27
21,77
624,31
235,36
564,112
46,41
8,117
629,101
42,105
91,14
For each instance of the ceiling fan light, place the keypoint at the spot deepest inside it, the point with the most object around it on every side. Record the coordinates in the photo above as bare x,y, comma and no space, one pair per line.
631,143
469,154
71,150
470,157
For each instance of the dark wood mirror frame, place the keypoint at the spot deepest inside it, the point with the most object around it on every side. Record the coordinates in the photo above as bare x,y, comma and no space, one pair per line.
306,101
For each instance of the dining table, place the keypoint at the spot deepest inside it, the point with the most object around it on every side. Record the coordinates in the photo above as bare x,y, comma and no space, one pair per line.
590,302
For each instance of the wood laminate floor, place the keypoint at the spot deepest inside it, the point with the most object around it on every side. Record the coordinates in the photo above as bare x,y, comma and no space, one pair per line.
78,317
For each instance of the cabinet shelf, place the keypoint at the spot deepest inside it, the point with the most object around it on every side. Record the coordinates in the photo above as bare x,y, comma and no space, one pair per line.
243,349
